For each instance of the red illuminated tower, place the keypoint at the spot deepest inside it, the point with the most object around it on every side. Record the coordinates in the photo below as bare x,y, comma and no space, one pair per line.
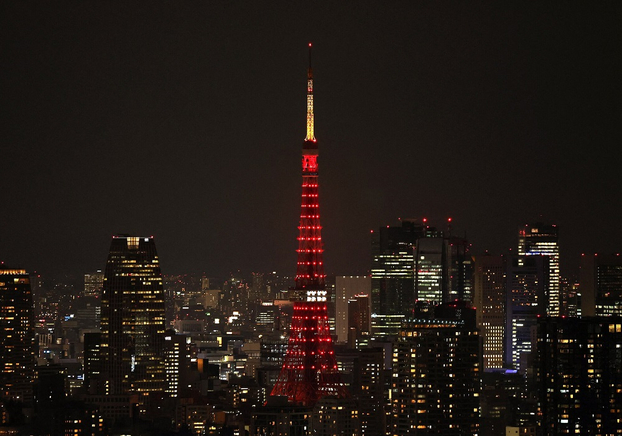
310,370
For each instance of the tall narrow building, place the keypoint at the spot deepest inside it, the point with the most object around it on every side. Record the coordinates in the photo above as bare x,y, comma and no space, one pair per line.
132,318
309,371
526,291
543,240
346,287
489,299
17,341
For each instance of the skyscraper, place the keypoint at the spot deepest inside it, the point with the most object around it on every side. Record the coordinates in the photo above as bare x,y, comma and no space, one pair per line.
435,380
392,270
542,240
17,341
430,272
527,284
359,317
93,283
489,299
309,371
601,285
132,318
579,374
346,287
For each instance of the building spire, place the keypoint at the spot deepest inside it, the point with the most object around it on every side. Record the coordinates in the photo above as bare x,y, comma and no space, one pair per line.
310,118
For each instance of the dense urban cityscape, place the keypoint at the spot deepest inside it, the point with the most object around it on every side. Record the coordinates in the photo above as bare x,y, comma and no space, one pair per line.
433,341
434,335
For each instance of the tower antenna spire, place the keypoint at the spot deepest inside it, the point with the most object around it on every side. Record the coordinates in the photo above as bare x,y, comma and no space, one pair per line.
310,116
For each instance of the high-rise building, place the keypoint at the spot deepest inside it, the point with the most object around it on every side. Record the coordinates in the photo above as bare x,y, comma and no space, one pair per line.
543,240
364,373
459,269
17,341
601,285
489,299
430,260
177,362
346,287
392,270
416,262
132,318
93,283
435,382
526,292
310,372
579,375
359,317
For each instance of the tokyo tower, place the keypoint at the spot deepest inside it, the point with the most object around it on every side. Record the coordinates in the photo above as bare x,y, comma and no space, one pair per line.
309,370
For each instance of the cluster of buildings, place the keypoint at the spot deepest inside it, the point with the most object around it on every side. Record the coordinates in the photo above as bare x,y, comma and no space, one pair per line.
434,341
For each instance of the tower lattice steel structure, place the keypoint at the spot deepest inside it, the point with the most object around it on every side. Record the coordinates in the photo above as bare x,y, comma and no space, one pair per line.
310,371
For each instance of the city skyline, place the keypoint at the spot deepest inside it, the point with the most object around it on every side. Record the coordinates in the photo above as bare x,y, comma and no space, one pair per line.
180,123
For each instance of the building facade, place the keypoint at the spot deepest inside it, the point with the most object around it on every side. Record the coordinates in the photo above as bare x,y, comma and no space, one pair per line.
543,240
601,285
526,300
579,375
346,287
436,377
17,341
489,299
132,318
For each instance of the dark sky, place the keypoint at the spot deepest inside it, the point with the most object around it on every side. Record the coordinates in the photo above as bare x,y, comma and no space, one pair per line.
185,120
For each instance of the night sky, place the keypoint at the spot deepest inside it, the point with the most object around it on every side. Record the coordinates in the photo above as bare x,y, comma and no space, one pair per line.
185,120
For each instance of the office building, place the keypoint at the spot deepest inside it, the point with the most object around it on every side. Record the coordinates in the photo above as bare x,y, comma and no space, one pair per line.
489,299
579,375
363,372
132,318
392,270
359,317
430,273
17,341
601,285
542,240
346,287
93,284
435,382
177,362
526,300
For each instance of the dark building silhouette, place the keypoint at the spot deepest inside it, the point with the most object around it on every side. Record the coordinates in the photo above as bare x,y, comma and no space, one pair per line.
526,292
601,285
579,375
17,339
